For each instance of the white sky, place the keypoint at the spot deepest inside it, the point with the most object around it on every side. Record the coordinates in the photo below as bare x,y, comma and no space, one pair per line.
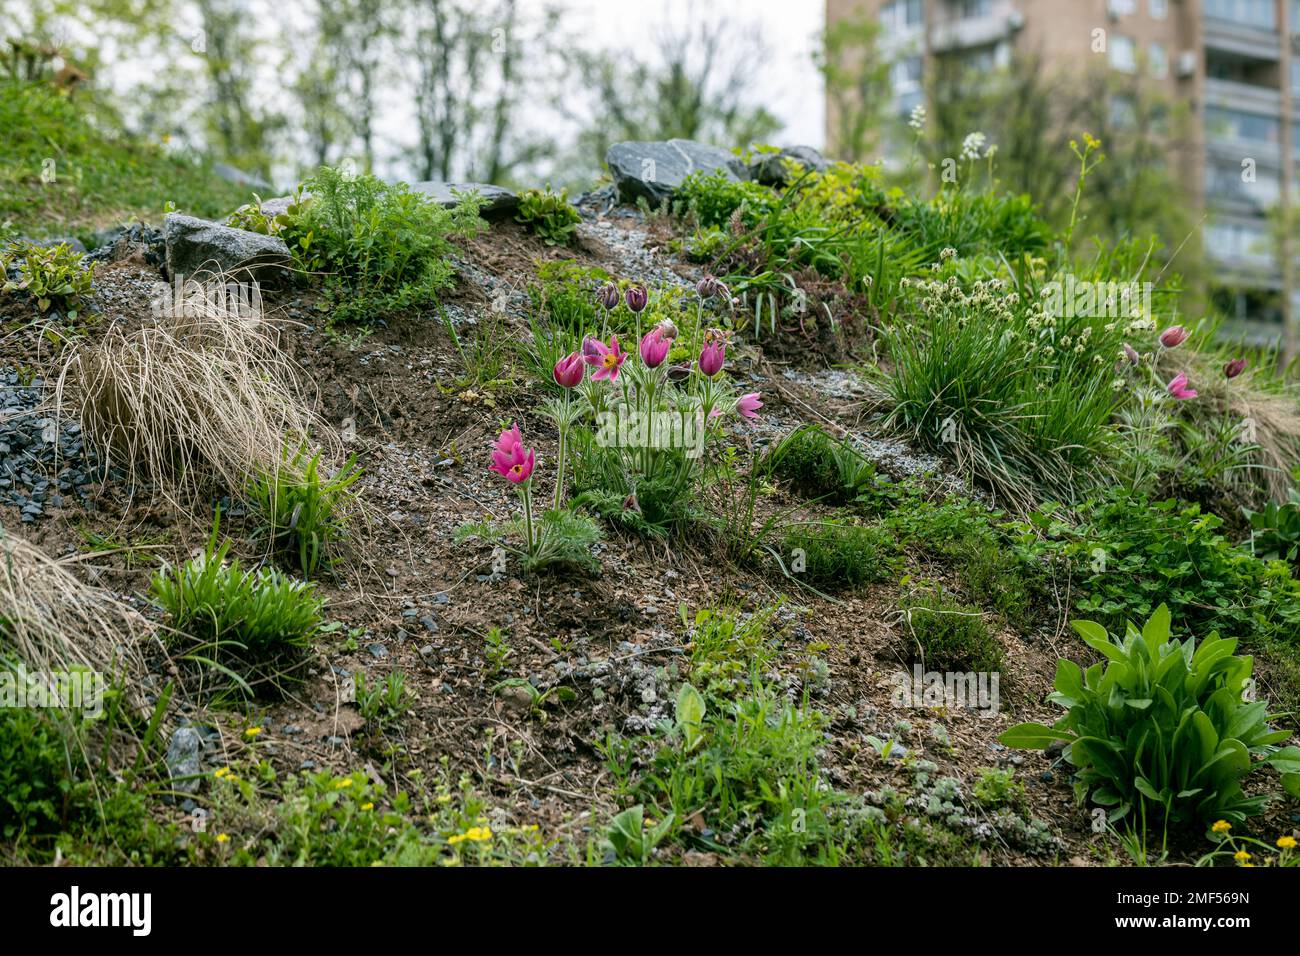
791,87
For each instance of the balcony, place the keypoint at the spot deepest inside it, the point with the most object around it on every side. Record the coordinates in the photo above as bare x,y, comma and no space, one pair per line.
1232,132
974,25
1245,27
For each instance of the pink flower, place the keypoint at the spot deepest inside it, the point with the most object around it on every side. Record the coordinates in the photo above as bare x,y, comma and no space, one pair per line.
608,359
510,459
654,348
748,405
569,370
1173,336
1234,368
1177,387
712,357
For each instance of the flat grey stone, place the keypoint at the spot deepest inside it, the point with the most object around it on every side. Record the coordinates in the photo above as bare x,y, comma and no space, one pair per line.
655,170
500,202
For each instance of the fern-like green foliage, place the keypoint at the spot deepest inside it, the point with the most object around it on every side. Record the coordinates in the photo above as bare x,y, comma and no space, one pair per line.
1164,729
380,245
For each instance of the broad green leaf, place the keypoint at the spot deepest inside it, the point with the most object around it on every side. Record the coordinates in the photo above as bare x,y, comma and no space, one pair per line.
1032,736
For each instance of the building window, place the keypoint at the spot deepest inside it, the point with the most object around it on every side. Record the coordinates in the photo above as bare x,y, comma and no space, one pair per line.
905,75
1122,8
1235,125
1250,13
1159,9
1157,60
1123,54
972,9
901,15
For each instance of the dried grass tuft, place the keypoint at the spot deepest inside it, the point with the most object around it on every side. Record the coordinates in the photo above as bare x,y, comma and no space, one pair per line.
51,621
201,397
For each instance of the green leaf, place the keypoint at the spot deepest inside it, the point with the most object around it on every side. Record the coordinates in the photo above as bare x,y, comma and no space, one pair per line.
690,716
1032,736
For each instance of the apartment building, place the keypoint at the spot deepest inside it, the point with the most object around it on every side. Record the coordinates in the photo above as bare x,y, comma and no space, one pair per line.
1235,63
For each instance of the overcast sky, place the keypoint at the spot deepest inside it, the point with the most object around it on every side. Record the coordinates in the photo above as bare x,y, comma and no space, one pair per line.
791,86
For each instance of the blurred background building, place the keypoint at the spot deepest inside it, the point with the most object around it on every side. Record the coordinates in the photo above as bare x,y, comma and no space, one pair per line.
1233,66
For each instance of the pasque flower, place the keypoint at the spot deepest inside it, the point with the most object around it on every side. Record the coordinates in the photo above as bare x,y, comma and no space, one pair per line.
1131,354
680,372
712,356
1173,336
748,405
1234,368
608,359
607,296
709,286
637,298
569,370
1177,387
654,347
510,459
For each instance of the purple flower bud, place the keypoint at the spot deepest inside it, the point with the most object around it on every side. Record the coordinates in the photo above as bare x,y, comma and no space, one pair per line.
1234,368
637,298
607,296
709,286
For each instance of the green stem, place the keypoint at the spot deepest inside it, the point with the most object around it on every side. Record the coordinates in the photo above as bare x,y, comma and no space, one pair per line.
526,492
559,468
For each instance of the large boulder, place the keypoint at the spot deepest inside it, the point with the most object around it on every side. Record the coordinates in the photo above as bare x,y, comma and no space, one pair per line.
500,203
655,170
770,168
196,247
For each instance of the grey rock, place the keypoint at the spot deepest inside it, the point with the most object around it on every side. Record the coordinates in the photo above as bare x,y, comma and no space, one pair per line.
198,246
655,170
377,651
769,168
183,759
240,178
500,203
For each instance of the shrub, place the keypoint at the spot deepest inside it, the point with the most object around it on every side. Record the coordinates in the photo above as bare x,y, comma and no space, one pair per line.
305,513
251,627
714,197
384,246
1163,727
52,275
1275,531
1134,555
820,466
549,215
837,554
951,636
749,767
40,771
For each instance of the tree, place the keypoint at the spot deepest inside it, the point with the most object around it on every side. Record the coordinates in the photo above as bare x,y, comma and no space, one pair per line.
696,86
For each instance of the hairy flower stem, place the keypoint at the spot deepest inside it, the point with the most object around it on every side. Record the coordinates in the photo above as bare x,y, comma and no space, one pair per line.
526,492
563,454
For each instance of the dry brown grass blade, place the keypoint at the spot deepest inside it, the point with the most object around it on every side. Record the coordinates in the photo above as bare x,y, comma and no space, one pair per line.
198,399
52,621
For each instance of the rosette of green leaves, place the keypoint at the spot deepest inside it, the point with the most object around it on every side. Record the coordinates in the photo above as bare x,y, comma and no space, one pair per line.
1163,726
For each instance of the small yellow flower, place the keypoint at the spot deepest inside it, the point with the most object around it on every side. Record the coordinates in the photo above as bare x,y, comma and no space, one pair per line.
457,838
478,834
1221,826
252,731
1286,842
343,784
224,771
223,837
1241,856
367,806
